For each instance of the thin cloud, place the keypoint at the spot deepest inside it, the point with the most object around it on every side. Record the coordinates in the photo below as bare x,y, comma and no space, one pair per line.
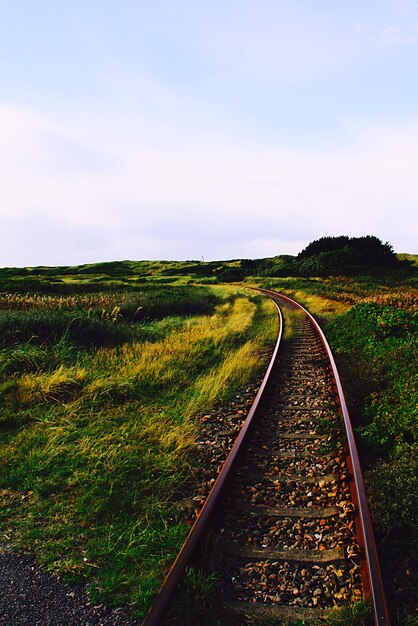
207,197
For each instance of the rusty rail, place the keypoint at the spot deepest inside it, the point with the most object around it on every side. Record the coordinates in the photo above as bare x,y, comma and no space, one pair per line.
170,584
380,609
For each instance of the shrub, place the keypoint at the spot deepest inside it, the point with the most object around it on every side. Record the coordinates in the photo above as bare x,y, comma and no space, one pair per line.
376,349
367,250
393,490
48,326
156,303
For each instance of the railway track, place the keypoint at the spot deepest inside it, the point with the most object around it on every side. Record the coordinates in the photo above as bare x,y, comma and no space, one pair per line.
290,534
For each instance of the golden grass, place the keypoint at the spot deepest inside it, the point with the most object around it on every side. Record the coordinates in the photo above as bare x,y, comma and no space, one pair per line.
137,363
322,307
237,367
169,363
111,441
122,369
44,386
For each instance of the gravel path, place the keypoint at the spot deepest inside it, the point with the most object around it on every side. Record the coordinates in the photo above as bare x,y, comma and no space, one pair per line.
29,596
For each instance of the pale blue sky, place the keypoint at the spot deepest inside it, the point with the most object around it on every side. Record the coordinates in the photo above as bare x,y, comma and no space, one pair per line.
180,128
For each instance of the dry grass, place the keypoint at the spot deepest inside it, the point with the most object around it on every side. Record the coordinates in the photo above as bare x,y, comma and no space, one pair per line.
324,308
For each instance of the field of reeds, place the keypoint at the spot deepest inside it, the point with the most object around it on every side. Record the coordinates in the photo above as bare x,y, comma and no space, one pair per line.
101,396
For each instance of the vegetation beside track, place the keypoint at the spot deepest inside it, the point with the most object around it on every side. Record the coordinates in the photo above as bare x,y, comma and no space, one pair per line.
377,351
371,323
100,396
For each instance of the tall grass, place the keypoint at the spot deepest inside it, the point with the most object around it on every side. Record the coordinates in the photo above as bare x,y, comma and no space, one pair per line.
102,440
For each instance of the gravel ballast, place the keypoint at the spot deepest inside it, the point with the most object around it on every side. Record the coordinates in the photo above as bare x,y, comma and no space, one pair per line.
29,596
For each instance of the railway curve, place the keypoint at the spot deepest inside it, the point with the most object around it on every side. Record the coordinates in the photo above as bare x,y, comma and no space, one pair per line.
291,534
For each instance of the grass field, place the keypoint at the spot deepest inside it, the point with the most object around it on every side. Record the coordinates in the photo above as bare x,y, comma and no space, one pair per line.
101,395
106,368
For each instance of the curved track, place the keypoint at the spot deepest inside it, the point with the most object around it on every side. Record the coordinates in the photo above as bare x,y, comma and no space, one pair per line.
292,535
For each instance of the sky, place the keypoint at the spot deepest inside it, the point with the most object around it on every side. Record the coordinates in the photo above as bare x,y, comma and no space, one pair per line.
188,129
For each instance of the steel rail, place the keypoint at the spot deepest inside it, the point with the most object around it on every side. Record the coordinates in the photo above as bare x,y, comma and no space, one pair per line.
380,609
171,582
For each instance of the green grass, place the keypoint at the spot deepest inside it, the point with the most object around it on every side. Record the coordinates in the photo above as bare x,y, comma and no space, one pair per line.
99,416
358,614
412,258
121,276
377,348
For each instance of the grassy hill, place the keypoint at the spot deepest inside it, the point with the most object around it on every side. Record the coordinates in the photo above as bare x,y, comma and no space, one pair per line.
135,275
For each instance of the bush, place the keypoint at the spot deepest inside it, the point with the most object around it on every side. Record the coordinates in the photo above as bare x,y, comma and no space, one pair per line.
344,261
367,250
376,349
163,302
393,490
48,326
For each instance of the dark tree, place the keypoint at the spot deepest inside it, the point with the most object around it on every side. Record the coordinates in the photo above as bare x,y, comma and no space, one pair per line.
368,251
324,244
